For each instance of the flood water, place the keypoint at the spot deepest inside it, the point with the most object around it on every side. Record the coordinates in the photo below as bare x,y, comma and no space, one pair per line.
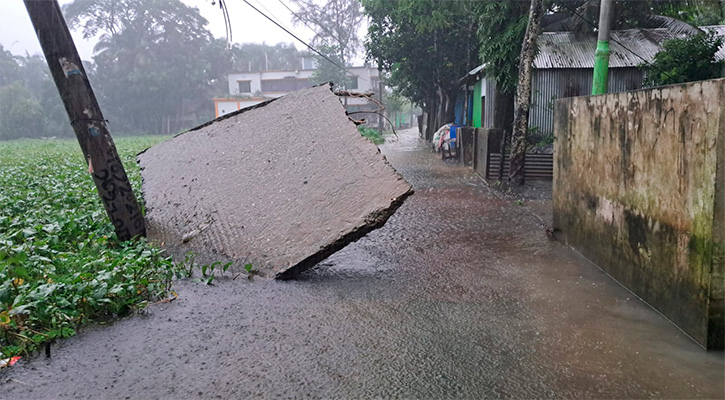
460,295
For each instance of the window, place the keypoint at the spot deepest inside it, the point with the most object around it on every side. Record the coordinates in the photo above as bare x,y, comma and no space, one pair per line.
351,82
303,83
308,63
289,84
245,86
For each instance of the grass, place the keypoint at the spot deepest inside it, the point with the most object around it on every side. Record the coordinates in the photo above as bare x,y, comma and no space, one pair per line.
60,263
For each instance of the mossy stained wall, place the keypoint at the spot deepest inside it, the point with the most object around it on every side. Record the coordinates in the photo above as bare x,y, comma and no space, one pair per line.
638,189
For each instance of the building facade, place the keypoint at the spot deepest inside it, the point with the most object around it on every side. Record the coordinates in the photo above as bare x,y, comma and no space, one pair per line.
250,88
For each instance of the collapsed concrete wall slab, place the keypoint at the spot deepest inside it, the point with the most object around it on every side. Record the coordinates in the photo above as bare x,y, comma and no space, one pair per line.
639,188
281,185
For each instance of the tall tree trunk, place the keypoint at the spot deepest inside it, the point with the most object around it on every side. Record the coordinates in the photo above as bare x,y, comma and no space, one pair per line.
523,95
503,116
442,107
450,115
431,111
464,117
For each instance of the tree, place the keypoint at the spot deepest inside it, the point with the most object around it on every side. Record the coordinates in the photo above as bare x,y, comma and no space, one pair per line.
9,69
263,57
583,15
502,25
394,104
426,47
686,60
328,71
523,94
29,103
150,77
696,12
336,24
21,114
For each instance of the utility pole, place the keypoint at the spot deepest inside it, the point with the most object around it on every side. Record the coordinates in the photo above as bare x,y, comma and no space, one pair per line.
601,57
80,103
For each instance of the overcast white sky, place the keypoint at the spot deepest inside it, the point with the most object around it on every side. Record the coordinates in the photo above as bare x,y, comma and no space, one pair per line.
17,35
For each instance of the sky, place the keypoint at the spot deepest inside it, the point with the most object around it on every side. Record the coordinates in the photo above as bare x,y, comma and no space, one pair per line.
17,35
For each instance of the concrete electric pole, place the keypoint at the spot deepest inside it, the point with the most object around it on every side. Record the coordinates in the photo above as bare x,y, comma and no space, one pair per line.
80,103
601,57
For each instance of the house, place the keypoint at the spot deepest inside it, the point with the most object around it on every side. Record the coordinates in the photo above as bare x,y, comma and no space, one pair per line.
250,88
564,67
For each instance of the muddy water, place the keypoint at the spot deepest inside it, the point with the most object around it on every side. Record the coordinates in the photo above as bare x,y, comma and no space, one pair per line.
460,295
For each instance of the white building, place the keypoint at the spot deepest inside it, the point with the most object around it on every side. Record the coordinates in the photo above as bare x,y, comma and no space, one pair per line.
250,88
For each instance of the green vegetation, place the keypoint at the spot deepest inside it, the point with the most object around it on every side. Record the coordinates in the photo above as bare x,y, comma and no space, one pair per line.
686,60
29,102
336,23
60,263
372,134
426,46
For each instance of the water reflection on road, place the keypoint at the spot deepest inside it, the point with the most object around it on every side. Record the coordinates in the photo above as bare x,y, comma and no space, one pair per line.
461,294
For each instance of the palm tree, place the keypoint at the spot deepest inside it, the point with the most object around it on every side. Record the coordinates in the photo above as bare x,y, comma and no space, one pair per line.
583,15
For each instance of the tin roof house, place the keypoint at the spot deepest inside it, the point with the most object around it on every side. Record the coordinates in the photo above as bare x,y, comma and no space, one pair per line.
564,67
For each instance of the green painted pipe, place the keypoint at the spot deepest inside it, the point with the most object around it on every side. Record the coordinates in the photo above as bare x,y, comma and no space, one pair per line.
601,68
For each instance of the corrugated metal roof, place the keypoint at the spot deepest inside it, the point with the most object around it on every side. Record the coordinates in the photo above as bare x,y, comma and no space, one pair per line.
474,74
477,69
720,30
628,48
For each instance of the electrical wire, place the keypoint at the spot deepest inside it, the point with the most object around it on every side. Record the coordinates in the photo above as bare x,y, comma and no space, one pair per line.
271,14
313,29
227,21
303,42
320,24
305,23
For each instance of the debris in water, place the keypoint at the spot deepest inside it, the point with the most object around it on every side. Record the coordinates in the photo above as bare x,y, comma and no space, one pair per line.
287,183
9,362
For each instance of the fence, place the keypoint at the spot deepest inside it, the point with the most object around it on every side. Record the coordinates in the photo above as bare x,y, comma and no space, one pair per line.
536,166
487,158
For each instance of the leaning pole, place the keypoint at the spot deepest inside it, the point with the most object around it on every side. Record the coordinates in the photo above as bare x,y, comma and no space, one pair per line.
85,116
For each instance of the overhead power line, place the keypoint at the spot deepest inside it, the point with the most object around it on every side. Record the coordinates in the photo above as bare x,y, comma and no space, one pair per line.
270,13
303,42
227,21
320,24
305,22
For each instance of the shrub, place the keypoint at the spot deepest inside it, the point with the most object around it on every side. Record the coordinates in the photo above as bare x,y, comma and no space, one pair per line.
686,60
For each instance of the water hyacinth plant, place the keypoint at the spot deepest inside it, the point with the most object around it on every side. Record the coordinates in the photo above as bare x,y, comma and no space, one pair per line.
60,263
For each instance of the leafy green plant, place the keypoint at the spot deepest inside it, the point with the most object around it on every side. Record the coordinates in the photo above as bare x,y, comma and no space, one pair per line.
371,134
686,60
60,262
207,270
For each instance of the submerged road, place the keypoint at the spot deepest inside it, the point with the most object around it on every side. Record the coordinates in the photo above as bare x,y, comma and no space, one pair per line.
460,295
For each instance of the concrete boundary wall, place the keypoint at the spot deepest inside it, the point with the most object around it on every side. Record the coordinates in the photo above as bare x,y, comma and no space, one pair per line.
639,188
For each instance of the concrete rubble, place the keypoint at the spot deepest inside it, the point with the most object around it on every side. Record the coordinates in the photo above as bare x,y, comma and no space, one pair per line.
281,185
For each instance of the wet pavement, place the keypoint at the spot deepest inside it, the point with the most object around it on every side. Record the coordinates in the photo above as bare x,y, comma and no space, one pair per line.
460,295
